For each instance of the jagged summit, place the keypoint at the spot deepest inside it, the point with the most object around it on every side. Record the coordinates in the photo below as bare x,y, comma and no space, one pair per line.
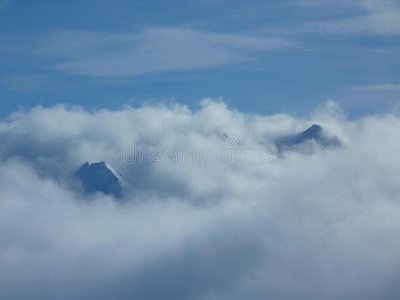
100,177
313,133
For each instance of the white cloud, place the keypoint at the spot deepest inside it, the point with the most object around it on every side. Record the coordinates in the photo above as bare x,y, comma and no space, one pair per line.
152,50
319,226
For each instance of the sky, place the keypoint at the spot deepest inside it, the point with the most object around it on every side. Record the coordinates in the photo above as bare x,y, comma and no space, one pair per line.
259,56
105,81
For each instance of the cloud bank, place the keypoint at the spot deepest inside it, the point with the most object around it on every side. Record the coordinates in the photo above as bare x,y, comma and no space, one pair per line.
323,225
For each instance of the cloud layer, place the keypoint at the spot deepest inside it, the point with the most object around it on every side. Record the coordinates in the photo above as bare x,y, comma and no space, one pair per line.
304,226
152,50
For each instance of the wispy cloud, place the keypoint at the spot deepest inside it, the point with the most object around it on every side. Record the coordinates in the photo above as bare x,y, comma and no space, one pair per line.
377,87
152,50
377,17
5,3
23,82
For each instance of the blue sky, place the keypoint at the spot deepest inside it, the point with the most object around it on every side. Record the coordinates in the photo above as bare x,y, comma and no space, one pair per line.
259,56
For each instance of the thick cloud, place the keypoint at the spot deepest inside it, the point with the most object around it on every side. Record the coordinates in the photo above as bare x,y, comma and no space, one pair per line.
322,225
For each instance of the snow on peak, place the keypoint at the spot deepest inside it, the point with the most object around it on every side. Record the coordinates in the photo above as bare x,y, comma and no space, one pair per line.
101,177
314,133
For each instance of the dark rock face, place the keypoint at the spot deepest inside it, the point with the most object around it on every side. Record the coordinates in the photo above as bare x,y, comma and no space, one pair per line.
312,134
100,177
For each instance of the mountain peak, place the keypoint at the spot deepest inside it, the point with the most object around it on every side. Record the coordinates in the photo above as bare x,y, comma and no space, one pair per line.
313,133
314,128
100,177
